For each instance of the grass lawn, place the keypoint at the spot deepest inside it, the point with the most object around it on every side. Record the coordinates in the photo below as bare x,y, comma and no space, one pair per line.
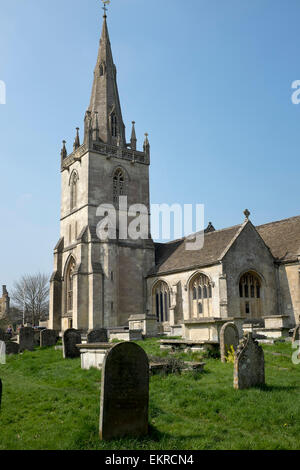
50,403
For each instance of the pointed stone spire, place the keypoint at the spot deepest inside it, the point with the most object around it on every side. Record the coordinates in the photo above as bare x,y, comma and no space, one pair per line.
77,140
133,139
105,96
63,152
146,145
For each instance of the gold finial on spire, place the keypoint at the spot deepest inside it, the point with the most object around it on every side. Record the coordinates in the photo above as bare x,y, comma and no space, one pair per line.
105,4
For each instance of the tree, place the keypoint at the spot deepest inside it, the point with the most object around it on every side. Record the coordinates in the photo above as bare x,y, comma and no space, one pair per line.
32,293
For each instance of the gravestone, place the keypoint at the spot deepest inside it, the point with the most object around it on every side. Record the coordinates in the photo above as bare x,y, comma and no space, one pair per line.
97,336
48,338
26,339
2,352
229,336
71,337
296,334
124,392
12,348
249,364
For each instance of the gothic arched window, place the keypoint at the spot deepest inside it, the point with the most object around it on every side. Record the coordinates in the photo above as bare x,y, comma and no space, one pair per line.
73,189
161,301
200,296
118,184
101,70
250,295
69,285
114,125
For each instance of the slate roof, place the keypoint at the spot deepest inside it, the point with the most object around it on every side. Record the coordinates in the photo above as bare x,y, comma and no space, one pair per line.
282,237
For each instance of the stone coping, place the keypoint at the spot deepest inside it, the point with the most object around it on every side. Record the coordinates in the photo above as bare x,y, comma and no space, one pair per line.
119,329
188,341
276,316
95,346
202,321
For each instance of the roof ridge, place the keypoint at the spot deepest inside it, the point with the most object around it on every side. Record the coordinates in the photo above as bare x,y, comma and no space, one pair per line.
279,221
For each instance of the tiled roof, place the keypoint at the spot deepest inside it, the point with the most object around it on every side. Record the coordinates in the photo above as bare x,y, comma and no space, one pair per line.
173,256
282,237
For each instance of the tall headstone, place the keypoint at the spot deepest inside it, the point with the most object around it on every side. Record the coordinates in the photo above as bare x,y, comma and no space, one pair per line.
296,334
124,393
97,336
26,339
48,338
249,365
12,348
229,337
71,337
2,352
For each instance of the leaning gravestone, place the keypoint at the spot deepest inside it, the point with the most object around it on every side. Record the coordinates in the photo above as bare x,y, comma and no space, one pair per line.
26,339
249,364
124,392
48,338
97,336
229,336
12,348
71,337
296,334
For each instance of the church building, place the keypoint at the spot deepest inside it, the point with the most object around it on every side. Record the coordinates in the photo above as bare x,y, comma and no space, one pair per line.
242,273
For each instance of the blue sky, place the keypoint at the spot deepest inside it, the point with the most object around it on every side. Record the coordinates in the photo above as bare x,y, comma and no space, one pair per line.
210,80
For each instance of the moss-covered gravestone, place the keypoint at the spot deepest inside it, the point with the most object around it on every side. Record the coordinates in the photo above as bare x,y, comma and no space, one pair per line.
97,336
71,337
124,393
26,339
229,337
249,365
48,338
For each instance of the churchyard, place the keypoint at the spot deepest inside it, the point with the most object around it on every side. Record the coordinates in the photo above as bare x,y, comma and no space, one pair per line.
51,403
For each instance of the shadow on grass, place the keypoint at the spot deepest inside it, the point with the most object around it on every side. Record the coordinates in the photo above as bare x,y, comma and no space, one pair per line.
280,388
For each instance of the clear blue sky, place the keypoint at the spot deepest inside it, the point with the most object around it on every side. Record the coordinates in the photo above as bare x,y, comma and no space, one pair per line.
210,80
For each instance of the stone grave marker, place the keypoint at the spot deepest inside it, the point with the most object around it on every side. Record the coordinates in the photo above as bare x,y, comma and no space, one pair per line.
26,339
296,334
48,338
229,336
249,364
124,392
71,337
97,336
12,348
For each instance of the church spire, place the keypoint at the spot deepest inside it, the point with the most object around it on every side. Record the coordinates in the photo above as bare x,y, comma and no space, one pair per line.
105,96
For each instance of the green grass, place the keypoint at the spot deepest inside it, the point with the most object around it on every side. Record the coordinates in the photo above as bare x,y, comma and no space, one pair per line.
50,403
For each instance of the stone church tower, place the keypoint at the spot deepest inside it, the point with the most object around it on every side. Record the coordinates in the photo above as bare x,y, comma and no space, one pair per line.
99,283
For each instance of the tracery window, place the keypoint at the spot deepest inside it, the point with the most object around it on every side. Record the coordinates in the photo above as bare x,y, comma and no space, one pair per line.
200,296
161,301
250,295
114,125
118,184
69,285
